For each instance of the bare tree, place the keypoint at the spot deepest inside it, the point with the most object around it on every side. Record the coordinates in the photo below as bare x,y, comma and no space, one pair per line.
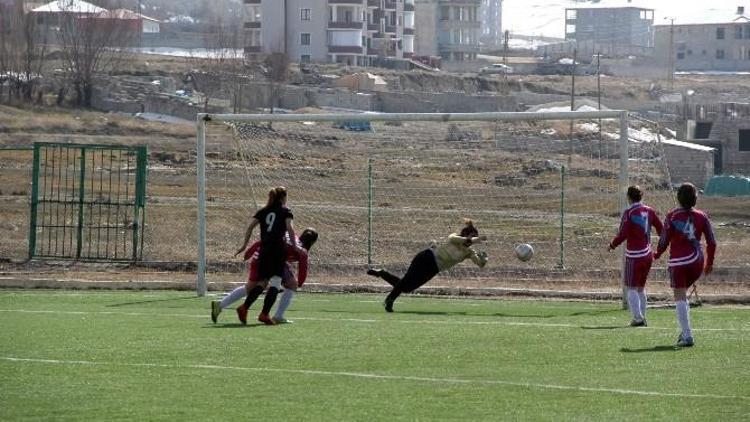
276,73
22,50
220,62
92,46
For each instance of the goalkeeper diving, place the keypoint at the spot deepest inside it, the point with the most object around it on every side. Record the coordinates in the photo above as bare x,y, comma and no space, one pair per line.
429,262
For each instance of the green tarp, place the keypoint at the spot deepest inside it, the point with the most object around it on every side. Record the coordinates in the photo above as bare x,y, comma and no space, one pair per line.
728,186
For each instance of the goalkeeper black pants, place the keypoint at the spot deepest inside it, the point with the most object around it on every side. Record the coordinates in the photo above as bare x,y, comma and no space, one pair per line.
421,270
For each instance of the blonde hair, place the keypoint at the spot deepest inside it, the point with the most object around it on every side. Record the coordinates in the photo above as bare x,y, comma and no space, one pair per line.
275,196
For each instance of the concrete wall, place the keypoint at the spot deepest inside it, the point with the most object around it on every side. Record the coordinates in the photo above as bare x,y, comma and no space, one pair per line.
696,46
425,27
417,102
689,165
735,161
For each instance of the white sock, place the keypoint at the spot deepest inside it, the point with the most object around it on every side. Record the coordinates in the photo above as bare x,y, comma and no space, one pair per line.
233,296
284,302
634,303
683,316
644,302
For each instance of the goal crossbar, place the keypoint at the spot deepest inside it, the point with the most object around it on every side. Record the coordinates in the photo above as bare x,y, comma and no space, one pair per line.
203,119
417,117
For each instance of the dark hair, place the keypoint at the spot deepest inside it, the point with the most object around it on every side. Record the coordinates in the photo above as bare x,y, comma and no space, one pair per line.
635,193
469,230
687,195
275,196
308,237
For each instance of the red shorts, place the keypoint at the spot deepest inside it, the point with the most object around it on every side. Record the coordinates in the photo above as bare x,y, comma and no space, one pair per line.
683,276
636,271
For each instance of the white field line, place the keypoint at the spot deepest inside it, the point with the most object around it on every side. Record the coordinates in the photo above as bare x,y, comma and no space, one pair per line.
384,377
361,320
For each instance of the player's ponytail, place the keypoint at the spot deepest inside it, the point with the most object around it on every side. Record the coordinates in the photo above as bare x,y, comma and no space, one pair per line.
687,195
276,196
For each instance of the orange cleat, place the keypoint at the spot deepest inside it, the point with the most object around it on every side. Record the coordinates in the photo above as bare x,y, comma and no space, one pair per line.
264,318
242,314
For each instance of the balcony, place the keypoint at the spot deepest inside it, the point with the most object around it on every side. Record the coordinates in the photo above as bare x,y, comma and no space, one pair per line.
352,2
253,49
252,1
373,27
252,25
373,3
390,29
345,49
408,31
408,7
345,25
390,5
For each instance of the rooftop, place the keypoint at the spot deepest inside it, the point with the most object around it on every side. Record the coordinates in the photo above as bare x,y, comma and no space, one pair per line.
68,6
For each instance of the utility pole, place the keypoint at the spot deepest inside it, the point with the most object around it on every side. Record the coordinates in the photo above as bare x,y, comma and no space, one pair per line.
670,75
505,61
572,101
599,97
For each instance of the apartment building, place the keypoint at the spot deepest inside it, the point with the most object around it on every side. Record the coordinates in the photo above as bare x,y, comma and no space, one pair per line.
492,22
614,28
354,32
706,43
448,28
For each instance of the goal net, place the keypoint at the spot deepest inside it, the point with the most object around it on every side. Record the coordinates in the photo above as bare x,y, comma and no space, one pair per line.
380,187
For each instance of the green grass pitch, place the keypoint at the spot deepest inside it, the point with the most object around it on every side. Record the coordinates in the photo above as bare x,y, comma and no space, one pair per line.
157,356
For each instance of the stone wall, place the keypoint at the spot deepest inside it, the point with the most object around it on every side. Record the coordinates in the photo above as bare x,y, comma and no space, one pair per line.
689,165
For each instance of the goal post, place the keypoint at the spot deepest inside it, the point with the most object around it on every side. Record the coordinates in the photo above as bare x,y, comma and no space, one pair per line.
204,121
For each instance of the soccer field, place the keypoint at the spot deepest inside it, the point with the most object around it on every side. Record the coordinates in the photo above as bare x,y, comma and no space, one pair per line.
157,356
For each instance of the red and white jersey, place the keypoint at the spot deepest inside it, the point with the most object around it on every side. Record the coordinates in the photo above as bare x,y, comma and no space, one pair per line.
683,230
635,227
292,255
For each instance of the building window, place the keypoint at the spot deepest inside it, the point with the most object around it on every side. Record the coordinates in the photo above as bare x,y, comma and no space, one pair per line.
253,39
704,52
738,32
445,13
680,56
304,14
747,32
744,140
720,54
305,58
304,39
720,33
690,52
702,130
253,14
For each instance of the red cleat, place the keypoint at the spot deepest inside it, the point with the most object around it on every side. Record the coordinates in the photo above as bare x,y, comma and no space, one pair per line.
264,318
242,314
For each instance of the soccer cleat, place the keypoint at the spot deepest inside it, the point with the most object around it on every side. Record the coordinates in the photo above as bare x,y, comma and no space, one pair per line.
636,323
264,318
374,272
215,310
242,314
388,304
685,341
277,321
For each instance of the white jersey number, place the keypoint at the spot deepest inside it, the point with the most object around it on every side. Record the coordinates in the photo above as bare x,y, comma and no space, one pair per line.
270,219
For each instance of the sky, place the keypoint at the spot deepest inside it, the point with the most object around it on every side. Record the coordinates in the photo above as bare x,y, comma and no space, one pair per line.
547,17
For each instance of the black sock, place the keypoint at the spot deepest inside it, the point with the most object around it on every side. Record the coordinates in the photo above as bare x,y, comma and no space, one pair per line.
270,299
252,295
394,294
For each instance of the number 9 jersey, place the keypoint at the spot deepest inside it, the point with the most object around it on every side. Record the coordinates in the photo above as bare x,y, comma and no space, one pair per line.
273,223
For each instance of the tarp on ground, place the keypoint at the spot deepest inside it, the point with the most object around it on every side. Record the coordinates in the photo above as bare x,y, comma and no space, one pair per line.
728,186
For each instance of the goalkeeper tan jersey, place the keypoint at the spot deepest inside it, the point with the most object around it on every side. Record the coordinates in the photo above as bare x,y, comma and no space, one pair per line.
453,252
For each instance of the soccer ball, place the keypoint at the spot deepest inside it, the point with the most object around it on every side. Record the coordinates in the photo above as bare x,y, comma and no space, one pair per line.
524,252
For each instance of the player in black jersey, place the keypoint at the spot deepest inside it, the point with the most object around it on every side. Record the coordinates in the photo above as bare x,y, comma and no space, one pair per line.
275,221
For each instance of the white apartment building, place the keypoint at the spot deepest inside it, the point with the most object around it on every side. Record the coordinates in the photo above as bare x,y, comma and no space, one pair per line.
354,32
